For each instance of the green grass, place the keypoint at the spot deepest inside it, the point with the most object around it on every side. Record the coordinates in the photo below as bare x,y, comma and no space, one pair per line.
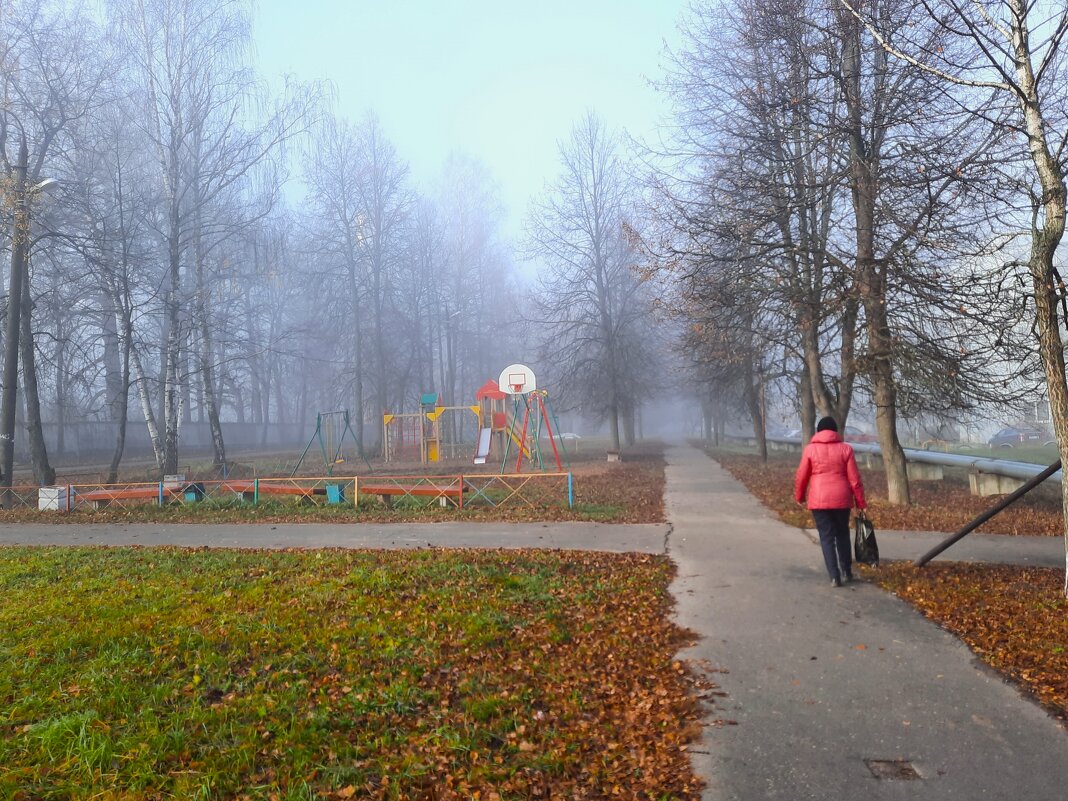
212,674
1038,454
598,511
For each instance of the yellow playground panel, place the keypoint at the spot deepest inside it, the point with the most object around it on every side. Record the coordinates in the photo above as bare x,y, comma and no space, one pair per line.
432,435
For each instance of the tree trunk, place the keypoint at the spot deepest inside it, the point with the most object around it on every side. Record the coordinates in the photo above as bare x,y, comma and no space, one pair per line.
20,242
121,407
884,389
1044,243
112,357
872,283
381,390
207,354
753,394
628,425
171,390
43,472
808,406
147,409
613,425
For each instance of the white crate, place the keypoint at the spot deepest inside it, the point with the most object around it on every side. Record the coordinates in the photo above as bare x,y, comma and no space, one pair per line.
52,499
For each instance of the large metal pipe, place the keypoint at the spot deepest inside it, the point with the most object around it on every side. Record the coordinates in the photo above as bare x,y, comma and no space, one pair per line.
1024,471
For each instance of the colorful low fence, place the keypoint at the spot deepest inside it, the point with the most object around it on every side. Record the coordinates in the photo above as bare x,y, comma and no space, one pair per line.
533,490
527,490
24,497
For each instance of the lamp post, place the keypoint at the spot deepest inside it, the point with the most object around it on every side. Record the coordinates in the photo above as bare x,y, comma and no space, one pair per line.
20,252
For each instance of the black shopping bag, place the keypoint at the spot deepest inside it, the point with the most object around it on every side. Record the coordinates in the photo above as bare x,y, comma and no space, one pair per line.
865,548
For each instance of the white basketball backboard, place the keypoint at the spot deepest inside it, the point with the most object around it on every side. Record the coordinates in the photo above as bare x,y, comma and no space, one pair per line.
517,379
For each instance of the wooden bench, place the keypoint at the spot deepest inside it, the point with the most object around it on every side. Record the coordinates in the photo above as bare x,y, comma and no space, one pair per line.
247,489
103,497
444,492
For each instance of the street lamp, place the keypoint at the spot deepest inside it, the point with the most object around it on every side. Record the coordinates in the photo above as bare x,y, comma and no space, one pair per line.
47,185
23,196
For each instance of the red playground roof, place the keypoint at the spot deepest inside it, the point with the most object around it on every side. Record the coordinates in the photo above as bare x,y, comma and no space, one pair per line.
491,389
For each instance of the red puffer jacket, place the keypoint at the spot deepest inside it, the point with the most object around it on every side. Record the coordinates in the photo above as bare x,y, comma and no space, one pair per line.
828,470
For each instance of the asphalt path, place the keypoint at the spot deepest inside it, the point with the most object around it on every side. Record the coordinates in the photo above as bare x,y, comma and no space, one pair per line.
828,687
648,538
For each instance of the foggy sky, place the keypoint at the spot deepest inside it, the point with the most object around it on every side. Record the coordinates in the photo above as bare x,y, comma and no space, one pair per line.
501,81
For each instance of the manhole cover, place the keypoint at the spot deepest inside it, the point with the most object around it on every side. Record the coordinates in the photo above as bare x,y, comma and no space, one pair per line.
899,769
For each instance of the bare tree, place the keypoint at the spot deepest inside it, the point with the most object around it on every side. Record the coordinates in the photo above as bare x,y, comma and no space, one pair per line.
50,79
855,179
590,302
186,57
358,190
755,101
1013,50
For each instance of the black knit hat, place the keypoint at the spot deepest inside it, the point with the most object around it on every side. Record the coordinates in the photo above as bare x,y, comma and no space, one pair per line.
826,424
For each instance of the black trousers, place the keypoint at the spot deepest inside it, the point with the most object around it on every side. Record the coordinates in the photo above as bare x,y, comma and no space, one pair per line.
833,526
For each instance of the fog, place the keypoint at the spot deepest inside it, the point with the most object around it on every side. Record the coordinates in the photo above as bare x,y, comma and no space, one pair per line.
224,221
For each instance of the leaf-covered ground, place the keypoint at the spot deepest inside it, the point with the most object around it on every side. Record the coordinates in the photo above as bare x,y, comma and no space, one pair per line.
1014,618
936,505
212,674
631,491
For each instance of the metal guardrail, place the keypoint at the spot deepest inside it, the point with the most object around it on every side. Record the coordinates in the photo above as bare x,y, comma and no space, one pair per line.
1000,467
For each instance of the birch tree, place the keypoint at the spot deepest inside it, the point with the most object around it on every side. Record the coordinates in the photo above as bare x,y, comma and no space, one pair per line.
187,58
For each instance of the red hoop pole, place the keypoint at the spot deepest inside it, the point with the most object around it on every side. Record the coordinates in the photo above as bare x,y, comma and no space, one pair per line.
549,428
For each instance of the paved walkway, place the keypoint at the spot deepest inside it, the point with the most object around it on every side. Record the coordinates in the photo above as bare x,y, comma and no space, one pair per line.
577,536
820,680
996,548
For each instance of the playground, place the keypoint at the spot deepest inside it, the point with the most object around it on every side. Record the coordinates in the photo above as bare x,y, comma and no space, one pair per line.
500,458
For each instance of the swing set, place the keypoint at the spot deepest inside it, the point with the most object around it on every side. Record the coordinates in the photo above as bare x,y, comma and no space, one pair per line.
331,431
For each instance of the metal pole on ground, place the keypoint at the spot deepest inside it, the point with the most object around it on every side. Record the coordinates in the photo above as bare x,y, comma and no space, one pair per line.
1005,502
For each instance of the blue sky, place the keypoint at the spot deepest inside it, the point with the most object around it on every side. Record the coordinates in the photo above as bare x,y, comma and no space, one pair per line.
502,81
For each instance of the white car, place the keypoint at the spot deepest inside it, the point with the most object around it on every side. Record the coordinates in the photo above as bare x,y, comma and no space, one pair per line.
569,435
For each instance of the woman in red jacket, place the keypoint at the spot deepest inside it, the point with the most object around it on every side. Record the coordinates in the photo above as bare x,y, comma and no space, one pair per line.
828,471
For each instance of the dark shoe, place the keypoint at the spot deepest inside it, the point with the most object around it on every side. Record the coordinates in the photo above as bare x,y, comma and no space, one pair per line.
836,582
847,578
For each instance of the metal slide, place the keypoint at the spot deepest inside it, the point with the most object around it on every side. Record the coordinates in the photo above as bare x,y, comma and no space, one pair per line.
483,450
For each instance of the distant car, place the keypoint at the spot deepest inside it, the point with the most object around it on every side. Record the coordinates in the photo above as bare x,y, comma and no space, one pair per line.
569,435
852,434
793,433
1014,437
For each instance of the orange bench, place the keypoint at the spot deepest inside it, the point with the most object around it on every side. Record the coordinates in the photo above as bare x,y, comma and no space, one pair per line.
248,489
387,492
102,497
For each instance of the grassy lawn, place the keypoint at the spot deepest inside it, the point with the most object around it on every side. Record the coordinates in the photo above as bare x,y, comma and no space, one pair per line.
218,674
1038,454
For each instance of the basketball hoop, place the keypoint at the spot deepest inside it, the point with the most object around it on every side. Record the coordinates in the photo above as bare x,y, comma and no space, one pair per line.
517,379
